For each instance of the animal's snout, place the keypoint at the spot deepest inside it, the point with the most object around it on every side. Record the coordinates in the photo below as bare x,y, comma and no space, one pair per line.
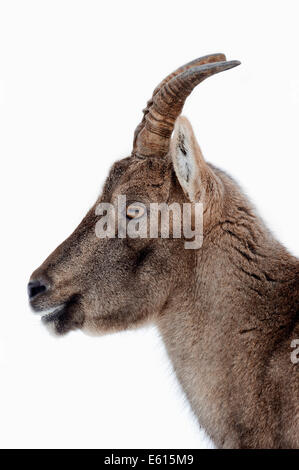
35,288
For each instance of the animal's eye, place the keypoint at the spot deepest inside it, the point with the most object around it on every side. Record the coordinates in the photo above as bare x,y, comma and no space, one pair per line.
135,211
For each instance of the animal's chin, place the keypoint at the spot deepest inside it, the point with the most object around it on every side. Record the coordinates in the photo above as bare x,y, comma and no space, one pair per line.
50,314
53,314
60,319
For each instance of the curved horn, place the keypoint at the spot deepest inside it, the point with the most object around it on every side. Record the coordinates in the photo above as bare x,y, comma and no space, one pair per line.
200,61
154,136
207,59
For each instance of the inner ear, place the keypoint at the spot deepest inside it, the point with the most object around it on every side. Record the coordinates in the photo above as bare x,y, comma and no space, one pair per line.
185,157
188,162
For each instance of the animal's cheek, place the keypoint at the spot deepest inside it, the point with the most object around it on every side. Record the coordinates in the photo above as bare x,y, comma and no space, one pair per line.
137,244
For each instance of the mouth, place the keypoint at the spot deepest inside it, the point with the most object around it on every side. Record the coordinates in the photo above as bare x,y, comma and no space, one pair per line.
52,314
63,317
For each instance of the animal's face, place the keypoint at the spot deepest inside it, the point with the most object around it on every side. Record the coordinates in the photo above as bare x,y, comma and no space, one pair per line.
112,283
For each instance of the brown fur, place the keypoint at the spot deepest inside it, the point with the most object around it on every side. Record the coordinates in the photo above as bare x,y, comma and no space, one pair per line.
227,312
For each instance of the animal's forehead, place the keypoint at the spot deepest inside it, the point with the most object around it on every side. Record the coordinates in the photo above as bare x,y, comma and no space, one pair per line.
149,171
149,177
133,177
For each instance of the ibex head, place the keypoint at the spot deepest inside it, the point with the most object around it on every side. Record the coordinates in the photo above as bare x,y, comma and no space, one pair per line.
114,283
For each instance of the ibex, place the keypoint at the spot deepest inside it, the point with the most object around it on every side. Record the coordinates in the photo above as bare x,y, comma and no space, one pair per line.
227,312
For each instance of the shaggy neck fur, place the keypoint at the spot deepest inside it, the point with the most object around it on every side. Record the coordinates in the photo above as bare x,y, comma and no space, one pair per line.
233,329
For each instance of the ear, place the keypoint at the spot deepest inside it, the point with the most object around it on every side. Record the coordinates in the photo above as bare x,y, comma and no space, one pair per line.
189,164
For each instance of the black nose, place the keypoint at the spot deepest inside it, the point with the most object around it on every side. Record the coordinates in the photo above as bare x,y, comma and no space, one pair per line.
35,287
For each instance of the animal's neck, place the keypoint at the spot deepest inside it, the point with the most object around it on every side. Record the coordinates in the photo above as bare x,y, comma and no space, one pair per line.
242,301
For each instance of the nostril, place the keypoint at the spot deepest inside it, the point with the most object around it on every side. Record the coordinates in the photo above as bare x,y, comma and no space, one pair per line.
35,287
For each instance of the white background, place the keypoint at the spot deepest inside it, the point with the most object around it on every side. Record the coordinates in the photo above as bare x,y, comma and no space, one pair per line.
74,77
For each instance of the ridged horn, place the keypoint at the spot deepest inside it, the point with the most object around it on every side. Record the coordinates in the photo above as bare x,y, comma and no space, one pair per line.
152,136
207,59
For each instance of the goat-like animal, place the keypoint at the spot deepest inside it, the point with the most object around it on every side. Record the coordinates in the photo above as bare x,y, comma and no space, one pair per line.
227,312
